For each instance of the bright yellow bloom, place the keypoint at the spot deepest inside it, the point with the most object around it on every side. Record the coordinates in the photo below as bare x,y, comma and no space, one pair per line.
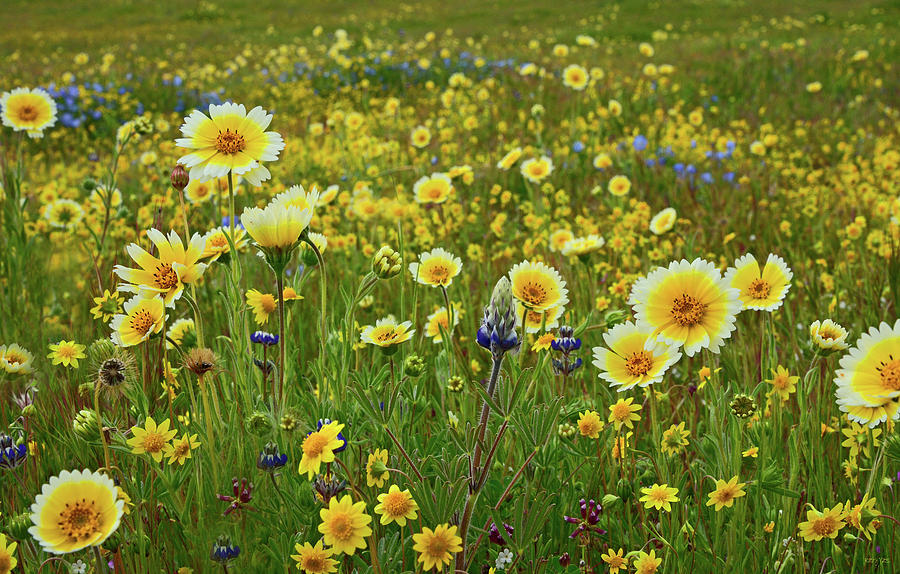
319,447
616,560
420,137
575,77
216,241
7,555
863,516
15,359
276,226
751,452
628,362
66,353
107,306
686,303
180,449
579,246
29,110
436,268
663,221
821,525
760,290
510,159
828,335
298,197
376,468
659,496
619,185
74,510
674,439
559,238
783,384
142,318
151,439
229,139
262,304
725,493
387,332
435,188
624,413
315,559
439,320
396,505
537,170
589,424
345,524
646,563
437,547
167,274
538,286
868,382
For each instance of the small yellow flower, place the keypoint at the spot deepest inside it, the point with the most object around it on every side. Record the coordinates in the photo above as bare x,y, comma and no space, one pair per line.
437,547
376,468
624,413
751,452
589,424
151,439
315,559
821,525
659,496
180,449
396,505
616,560
725,493
66,353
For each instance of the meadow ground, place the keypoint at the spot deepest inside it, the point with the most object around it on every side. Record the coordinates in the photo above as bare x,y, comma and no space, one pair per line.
497,287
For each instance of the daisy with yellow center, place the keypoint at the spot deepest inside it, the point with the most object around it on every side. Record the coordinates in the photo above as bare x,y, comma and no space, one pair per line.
29,110
376,468
663,221
229,139
628,362
686,304
537,320
559,238
63,213
615,560
396,505
437,547
646,563
66,353
439,322
166,274
510,159
216,241
624,413
436,268
589,424
276,226
199,192
15,360
387,333
581,246
674,439
151,439
319,447
783,384
821,525
298,197
262,305
725,493
107,305
575,77
659,496
345,525
868,382
180,449
828,336
420,137
619,185
760,290
74,510
315,559
538,286
142,319
537,170
7,555
435,188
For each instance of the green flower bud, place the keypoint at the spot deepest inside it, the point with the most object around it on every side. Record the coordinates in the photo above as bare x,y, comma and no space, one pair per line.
143,125
85,425
614,317
743,406
18,525
259,423
611,501
455,384
565,430
414,366
290,421
387,263
28,410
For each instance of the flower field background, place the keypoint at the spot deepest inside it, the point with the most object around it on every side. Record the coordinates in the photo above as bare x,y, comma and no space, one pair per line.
455,287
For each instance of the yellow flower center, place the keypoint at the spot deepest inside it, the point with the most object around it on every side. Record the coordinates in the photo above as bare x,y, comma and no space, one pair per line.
537,169
687,311
267,302
66,352
396,504
342,526
824,526
639,364
890,373
438,273
437,546
153,442
314,563
217,242
230,143
165,276
14,359
314,444
533,294
725,495
829,333
758,289
621,412
79,519
142,321
181,449
386,336
28,113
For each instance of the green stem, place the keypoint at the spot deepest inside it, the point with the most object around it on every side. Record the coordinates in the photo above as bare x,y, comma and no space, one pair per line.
282,343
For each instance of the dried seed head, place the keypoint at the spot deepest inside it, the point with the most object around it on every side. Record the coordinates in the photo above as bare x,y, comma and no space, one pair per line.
200,361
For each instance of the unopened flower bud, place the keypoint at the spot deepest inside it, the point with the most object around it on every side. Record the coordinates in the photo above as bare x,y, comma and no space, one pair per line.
85,425
414,366
743,406
180,177
387,263
611,501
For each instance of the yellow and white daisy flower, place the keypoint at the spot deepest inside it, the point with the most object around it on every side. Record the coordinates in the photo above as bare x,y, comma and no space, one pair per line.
439,322
510,159
828,335
167,274
143,317
276,226
633,358
63,213
29,110
298,197
686,304
663,221
437,267
15,359
583,245
74,510
387,332
575,77
435,188
760,290
216,241
538,286
559,238
537,170
229,139
868,382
